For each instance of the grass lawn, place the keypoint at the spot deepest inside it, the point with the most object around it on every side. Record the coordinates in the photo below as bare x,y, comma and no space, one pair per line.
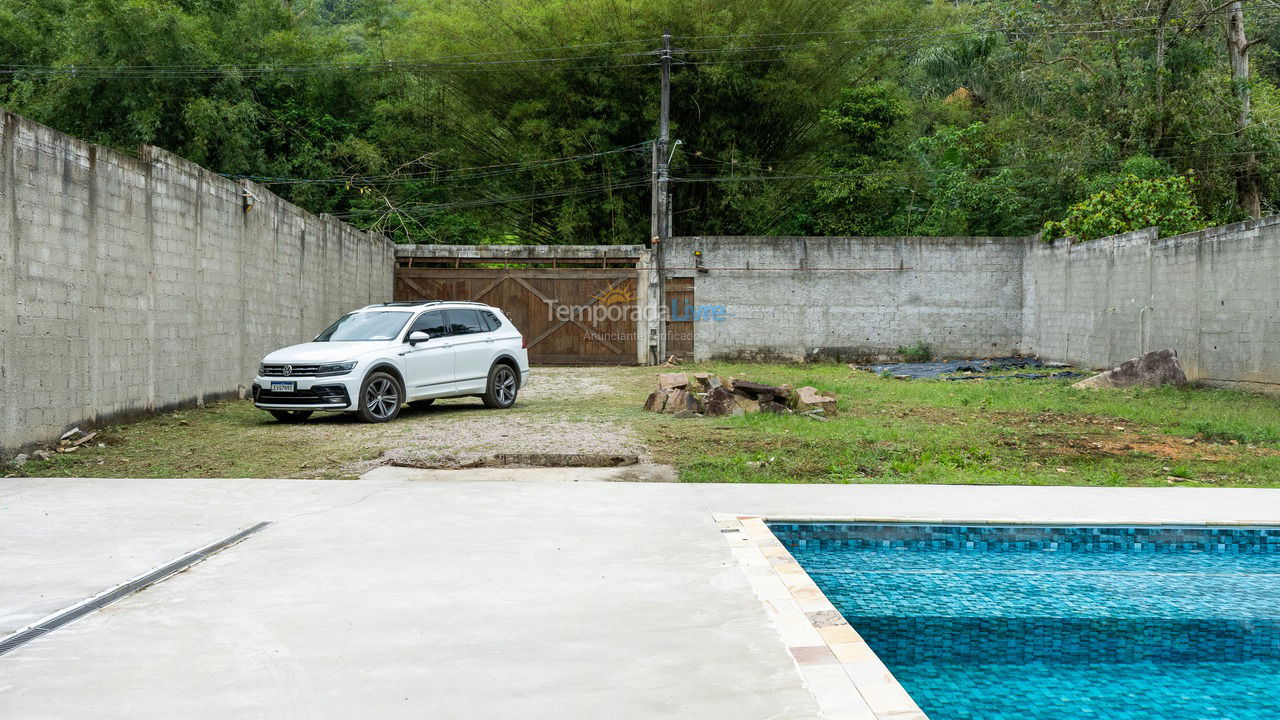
908,431
981,431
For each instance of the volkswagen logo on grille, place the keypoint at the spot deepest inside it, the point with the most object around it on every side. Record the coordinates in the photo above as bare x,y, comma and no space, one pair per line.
288,370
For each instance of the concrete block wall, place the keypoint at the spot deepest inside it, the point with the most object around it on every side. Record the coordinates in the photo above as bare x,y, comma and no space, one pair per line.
130,285
853,298
1212,295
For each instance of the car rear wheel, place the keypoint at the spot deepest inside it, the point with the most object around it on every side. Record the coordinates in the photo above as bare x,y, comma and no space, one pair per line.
290,416
380,398
502,388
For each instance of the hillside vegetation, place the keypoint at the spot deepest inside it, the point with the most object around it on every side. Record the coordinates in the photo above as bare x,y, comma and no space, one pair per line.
529,120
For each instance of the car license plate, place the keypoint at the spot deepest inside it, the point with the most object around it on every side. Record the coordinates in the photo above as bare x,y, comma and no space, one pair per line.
283,385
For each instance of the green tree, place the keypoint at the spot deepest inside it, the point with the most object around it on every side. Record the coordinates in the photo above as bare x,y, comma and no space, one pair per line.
447,121
1132,204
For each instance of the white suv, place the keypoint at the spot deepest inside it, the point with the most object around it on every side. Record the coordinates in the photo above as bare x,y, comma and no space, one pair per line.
373,360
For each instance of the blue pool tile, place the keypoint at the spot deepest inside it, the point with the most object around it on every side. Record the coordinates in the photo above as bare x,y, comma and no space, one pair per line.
1061,623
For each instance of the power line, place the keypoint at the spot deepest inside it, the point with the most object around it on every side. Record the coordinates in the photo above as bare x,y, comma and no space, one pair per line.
640,179
918,38
443,175
631,182
266,71
501,53
914,31
989,168
461,63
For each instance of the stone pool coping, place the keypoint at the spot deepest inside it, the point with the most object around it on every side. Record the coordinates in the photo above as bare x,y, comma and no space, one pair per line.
848,680
846,677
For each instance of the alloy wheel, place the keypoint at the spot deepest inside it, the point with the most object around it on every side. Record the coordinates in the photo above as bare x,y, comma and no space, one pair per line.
381,398
504,385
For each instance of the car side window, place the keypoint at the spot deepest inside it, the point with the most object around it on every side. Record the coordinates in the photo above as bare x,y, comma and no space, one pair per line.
465,322
431,323
491,321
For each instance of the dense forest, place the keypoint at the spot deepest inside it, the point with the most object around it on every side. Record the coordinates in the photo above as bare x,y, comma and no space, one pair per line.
491,121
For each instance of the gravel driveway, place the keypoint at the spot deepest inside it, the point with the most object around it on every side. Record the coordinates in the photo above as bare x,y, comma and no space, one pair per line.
553,415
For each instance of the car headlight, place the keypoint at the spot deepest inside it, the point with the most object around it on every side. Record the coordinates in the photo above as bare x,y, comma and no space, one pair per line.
341,368
262,369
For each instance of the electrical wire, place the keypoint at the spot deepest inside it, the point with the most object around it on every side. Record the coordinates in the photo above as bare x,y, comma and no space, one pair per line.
506,199
451,174
267,71
989,168
915,31
647,41
460,63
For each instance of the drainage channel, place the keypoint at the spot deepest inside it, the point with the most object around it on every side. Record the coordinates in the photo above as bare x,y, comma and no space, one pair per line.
101,600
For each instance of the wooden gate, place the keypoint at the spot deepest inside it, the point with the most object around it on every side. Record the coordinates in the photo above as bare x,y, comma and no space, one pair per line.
569,316
679,293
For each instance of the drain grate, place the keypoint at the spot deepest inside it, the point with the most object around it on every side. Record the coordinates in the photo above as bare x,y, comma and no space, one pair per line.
97,602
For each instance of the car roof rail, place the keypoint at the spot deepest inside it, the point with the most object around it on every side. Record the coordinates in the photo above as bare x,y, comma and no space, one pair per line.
417,303
402,303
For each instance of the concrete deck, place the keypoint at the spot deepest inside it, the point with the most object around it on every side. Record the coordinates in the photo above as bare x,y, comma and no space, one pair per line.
463,594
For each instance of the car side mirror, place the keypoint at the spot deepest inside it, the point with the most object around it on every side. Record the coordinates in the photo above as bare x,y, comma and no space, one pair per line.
418,336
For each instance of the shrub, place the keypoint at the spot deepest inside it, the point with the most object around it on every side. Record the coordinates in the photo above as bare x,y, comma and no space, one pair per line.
1133,204
919,352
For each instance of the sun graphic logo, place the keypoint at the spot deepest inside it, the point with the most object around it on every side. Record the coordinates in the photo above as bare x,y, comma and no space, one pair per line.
616,295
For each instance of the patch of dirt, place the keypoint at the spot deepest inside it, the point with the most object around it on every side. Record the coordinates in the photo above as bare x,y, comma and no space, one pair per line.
462,433
1099,435
1121,444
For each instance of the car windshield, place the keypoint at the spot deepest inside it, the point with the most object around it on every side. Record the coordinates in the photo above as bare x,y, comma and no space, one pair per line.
381,325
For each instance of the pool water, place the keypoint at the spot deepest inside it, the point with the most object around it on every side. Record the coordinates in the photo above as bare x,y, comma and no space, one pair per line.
1039,623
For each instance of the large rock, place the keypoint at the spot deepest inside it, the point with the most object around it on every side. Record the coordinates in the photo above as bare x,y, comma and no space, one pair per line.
808,398
706,394
707,381
673,380
680,400
1156,368
657,401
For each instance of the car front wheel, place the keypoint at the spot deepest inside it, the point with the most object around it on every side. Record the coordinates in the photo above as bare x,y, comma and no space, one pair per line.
380,398
502,388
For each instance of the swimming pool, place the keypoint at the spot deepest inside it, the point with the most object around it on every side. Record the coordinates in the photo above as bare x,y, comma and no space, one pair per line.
1060,623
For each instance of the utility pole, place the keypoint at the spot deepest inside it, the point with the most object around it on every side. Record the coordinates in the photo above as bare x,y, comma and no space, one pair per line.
660,210
660,223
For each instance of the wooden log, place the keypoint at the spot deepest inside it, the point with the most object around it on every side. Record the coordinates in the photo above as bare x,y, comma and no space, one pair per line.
757,391
718,402
673,380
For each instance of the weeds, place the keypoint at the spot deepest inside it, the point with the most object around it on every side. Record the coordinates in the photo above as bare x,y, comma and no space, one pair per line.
919,352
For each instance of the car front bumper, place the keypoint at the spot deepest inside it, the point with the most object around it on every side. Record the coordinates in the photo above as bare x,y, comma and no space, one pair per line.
309,393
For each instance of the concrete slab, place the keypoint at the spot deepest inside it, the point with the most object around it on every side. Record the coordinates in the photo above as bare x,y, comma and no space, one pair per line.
63,540
447,595
458,599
